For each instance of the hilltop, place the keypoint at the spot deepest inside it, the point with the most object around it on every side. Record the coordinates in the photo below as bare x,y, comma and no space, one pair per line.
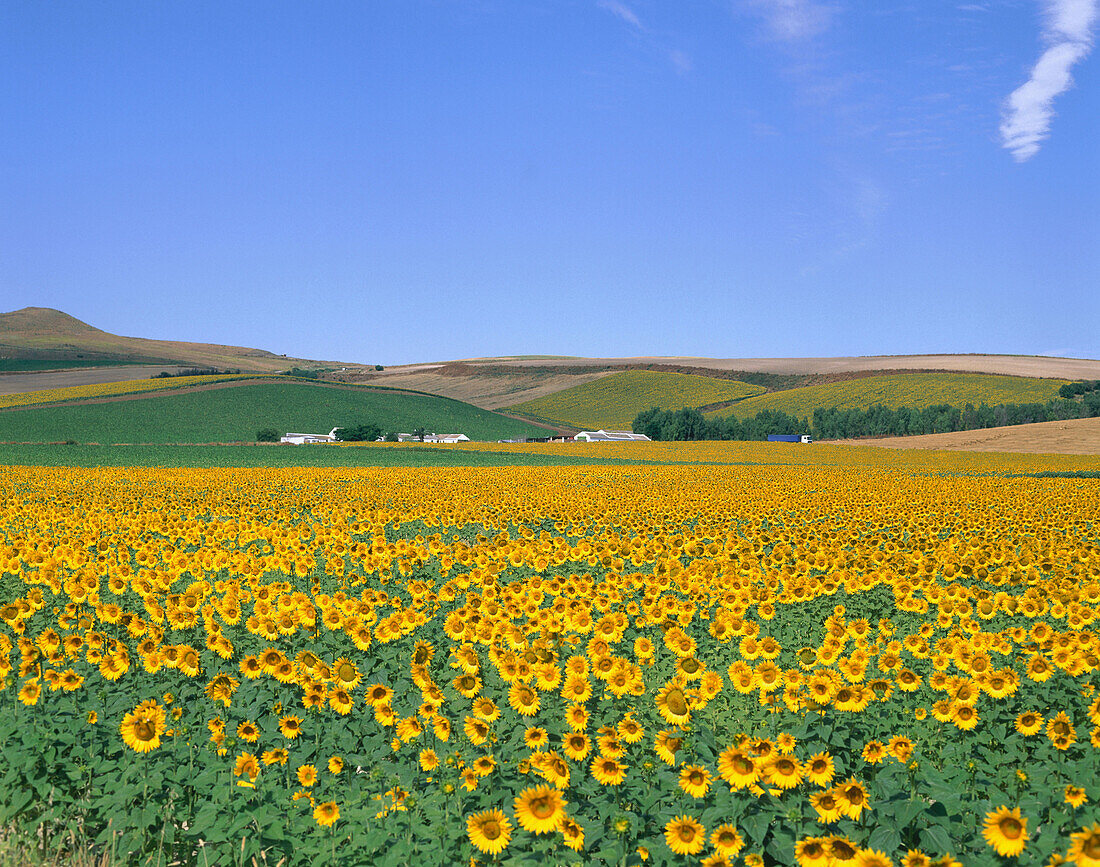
48,335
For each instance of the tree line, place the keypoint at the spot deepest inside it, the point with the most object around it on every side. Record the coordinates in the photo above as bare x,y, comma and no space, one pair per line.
878,420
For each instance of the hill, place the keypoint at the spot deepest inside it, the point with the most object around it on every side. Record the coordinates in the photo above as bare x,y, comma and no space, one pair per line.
1079,436
613,401
51,335
918,390
235,411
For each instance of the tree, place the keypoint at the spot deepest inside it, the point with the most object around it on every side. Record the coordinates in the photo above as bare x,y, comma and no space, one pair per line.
418,434
359,433
267,435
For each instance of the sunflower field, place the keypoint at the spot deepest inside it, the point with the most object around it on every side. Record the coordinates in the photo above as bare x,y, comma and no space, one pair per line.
824,664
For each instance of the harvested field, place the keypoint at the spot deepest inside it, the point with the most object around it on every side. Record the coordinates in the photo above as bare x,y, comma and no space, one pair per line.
488,390
1079,436
18,383
1011,365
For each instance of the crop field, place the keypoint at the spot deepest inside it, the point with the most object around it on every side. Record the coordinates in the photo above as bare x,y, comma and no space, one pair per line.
236,413
612,402
911,389
757,661
112,389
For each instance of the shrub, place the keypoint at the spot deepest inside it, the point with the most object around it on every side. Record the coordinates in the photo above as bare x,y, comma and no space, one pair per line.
267,435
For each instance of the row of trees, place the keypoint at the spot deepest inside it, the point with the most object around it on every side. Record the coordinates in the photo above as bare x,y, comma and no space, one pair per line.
690,424
1074,389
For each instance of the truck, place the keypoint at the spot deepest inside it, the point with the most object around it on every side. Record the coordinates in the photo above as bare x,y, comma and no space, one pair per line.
790,438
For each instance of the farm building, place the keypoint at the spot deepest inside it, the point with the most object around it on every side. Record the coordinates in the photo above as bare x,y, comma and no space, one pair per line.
299,439
433,438
446,438
609,436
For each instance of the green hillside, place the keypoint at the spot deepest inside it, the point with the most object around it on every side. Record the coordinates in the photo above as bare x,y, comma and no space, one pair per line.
905,389
613,401
237,413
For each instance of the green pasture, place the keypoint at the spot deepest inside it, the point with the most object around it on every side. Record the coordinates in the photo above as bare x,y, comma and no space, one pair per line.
236,414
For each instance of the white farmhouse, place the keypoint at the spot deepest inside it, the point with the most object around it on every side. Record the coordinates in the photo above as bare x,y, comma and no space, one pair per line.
446,438
610,436
299,439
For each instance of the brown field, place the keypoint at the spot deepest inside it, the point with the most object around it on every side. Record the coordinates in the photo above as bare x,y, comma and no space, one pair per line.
1011,365
483,387
17,383
1079,436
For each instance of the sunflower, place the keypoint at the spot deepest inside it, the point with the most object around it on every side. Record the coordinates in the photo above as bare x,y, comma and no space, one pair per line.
573,834
630,730
523,698
141,728
490,831
685,835
738,768
695,780
873,858
335,765
819,769
964,716
852,798
1060,731
608,771
874,752
916,858
539,810
326,814
290,727
726,840
665,745
841,850
476,730
901,748
536,738
672,703
1075,796
276,756
378,694
576,745
340,700
783,772
1006,831
1085,850
812,852
307,775
486,709
828,806
248,732
247,764
576,717
29,693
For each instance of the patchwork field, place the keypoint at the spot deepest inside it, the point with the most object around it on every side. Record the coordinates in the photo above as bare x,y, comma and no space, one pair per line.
234,411
1079,436
911,390
769,655
612,402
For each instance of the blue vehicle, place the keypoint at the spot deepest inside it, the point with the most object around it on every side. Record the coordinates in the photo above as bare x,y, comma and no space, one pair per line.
790,438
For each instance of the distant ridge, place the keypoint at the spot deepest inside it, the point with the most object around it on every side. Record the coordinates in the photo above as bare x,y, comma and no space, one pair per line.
49,334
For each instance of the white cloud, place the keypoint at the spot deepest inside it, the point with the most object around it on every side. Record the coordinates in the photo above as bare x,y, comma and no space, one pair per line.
621,10
793,20
1030,108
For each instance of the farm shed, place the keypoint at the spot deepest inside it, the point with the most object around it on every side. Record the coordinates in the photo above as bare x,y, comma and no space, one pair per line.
609,436
299,439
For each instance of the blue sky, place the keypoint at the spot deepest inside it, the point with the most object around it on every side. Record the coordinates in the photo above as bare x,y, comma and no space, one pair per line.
418,180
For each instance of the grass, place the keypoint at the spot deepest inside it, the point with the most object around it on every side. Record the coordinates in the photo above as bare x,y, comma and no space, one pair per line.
373,455
28,365
613,401
237,413
897,390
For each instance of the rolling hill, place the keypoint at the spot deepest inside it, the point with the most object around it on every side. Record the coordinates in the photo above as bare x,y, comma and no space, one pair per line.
235,411
51,335
910,389
613,401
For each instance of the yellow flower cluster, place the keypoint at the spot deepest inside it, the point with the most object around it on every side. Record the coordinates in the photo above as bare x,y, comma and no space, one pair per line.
699,636
111,389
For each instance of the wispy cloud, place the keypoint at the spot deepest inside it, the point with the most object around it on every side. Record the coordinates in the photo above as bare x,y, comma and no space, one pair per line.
621,10
1068,30
680,60
793,20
